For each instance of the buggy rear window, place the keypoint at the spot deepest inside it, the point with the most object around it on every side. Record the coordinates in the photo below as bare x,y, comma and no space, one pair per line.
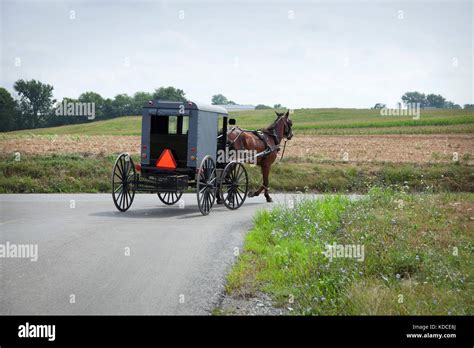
169,125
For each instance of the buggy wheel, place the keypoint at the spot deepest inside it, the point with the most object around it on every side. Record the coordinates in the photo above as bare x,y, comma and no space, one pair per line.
206,185
234,185
169,198
123,178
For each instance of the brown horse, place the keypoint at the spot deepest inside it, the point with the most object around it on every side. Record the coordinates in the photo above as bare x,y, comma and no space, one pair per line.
240,139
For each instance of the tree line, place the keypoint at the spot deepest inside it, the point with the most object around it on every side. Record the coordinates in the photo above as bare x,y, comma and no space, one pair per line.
35,106
220,99
427,100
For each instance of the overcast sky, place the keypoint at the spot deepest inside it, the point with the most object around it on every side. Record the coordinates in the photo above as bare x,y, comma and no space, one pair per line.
299,54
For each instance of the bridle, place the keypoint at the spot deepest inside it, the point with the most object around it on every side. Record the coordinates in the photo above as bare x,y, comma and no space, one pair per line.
287,132
287,135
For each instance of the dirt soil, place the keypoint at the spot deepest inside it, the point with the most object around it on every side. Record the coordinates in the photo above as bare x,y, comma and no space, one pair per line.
384,148
352,148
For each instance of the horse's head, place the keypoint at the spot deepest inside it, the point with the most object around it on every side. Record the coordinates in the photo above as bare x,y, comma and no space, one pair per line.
284,118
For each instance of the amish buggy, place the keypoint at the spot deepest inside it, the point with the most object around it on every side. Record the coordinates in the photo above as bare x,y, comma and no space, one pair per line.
179,145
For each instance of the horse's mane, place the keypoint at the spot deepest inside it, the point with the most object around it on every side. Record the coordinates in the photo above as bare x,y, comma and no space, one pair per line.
273,125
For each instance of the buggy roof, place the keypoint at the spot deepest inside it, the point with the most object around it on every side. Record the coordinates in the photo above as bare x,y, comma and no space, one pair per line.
189,105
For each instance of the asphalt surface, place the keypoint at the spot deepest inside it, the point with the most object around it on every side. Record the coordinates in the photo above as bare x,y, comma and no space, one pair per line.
92,259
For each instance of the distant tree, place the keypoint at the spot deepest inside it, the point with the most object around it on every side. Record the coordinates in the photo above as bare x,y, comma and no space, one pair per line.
35,104
63,120
435,101
379,106
96,98
108,109
468,106
219,99
169,94
90,97
7,111
139,100
231,102
123,105
414,97
262,106
277,106
450,105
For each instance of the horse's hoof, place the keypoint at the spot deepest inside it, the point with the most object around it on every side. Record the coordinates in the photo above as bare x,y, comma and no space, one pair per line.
269,200
219,202
251,194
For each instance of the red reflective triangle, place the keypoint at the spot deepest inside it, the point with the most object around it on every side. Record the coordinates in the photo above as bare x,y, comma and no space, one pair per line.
166,160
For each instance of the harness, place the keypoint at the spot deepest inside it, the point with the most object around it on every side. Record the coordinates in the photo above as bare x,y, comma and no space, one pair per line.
262,136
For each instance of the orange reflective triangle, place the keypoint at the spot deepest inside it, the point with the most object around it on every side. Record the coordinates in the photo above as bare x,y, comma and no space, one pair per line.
166,160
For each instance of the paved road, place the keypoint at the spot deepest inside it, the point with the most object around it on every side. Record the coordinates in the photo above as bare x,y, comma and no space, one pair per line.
177,263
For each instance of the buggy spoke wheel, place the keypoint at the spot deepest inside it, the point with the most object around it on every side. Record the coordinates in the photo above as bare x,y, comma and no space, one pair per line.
123,177
234,185
169,198
206,185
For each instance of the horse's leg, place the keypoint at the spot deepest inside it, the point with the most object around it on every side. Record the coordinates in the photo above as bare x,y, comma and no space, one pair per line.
256,193
265,165
265,173
260,189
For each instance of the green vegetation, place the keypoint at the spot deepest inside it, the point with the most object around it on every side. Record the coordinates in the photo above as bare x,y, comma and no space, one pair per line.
340,177
83,173
7,110
127,125
305,119
50,174
36,106
317,121
417,255
459,129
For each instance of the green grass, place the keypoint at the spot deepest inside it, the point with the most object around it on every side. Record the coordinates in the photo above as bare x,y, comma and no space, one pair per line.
341,177
317,121
128,125
83,173
357,118
56,173
396,130
417,255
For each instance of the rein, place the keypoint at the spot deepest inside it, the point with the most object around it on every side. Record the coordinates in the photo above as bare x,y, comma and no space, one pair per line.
283,152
